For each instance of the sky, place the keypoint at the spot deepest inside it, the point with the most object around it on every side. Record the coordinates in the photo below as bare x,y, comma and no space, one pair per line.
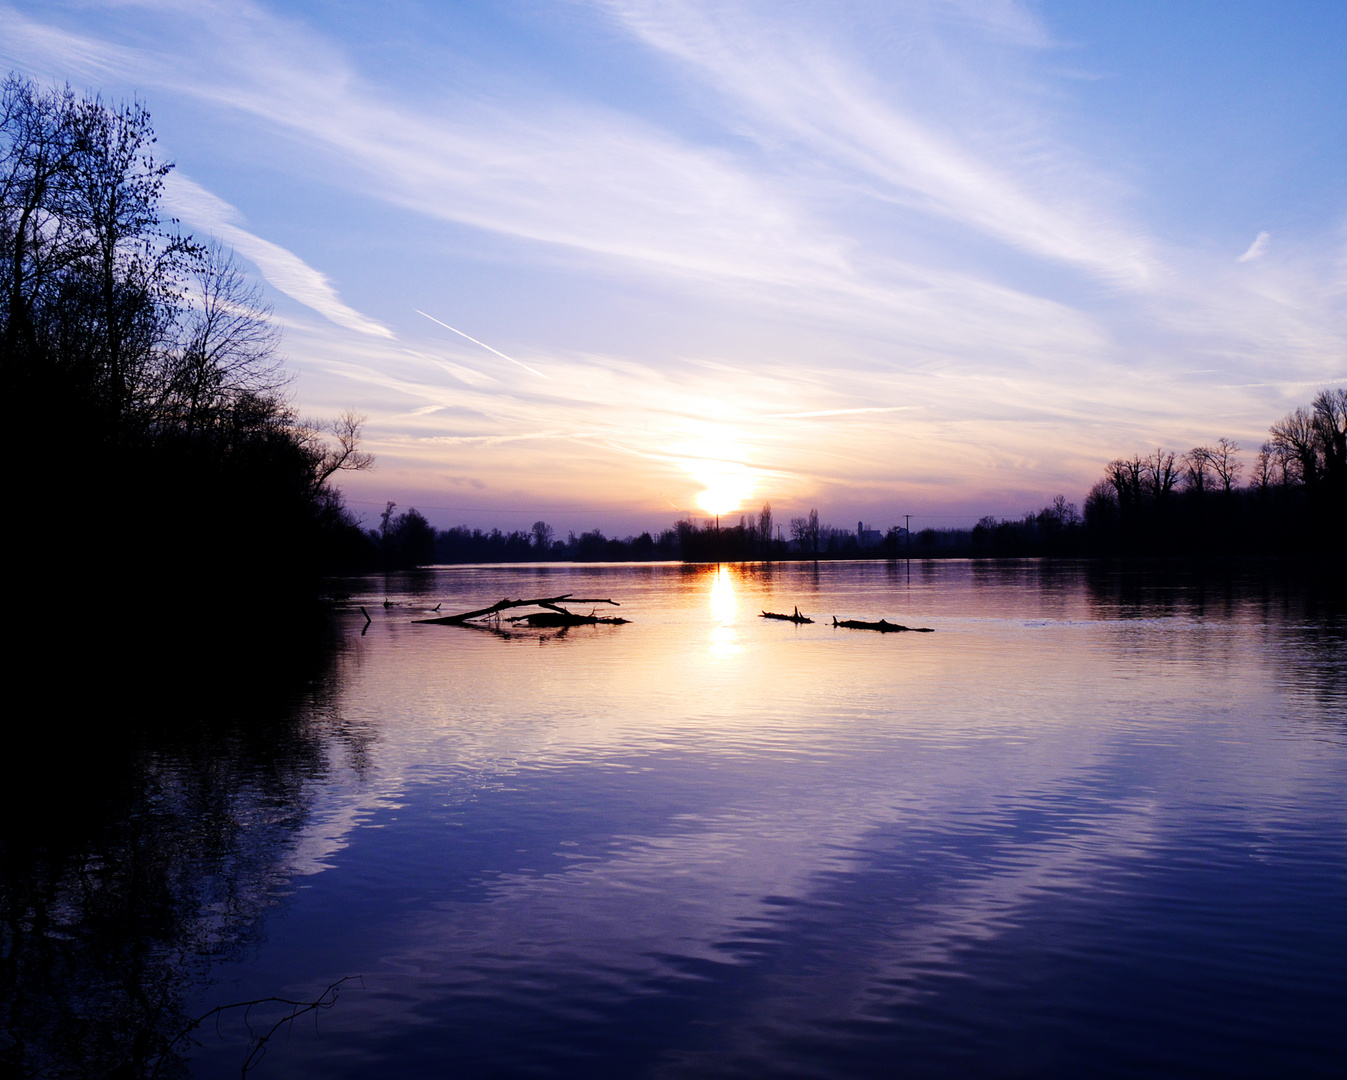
608,263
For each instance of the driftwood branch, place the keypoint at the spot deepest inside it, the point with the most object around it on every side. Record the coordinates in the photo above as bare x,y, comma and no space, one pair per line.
560,617
796,618
551,602
882,626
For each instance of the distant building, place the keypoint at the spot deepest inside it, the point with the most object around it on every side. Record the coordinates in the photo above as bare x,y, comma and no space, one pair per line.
868,538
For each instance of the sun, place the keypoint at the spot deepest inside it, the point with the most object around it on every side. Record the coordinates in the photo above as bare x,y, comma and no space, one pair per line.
715,460
727,486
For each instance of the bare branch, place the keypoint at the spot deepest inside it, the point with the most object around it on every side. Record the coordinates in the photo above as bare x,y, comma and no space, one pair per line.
346,456
257,1046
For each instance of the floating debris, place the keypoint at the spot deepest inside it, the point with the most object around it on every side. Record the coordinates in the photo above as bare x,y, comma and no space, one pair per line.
553,616
882,626
796,618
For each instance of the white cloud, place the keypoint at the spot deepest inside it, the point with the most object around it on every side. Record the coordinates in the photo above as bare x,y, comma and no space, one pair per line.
787,78
1256,249
285,270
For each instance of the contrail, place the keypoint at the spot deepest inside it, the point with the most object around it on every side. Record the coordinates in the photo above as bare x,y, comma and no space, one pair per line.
484,345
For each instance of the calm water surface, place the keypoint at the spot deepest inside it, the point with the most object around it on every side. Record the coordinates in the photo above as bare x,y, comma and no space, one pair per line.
1095,825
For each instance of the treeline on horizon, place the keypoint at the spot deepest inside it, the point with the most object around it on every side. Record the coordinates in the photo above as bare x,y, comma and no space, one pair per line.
1199,502
407,540
1292,501
165,480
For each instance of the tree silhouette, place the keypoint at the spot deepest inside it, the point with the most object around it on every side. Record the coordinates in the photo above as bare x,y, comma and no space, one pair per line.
807,532
139,372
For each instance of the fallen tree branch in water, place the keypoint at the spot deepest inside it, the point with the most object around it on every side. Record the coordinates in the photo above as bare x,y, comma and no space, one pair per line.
560,617
551,602
796,618
882,626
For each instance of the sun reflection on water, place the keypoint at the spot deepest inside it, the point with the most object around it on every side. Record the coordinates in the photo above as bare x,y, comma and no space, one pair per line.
724,605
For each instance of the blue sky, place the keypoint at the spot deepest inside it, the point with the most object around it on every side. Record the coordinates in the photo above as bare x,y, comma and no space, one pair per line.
936,258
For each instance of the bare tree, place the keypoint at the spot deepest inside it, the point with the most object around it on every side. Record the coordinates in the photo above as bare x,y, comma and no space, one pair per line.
1224,464
1197,464
131,264
1161,472
1265,466
1126,474
1297,438
1064,513
1330,421
765,525
807,532
228,343
39,229
542,536
345,456
1101,505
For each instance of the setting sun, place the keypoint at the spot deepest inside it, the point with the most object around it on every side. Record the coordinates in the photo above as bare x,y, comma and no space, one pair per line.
716,462
727,486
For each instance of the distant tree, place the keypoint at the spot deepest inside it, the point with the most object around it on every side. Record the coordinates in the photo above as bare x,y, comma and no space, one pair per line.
1197,465
1330,422
591,546
807,532
1101,507
1161,473
1126,477
1313,445
765,528
1224,464
1295,502
1062,512
411,540
1297,438
543,534
1265,467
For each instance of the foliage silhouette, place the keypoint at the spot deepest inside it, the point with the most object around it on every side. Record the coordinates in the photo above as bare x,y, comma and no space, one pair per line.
142,385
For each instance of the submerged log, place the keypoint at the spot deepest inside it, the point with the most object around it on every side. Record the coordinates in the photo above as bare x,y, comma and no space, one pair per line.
882,626
566,618
503,605
796,618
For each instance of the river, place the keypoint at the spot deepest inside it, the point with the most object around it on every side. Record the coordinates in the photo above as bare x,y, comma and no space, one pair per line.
1095,824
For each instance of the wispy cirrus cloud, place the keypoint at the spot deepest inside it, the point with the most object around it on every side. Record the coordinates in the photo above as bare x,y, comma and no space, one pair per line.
284,269
594,182
1255,249
788,79
573,175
